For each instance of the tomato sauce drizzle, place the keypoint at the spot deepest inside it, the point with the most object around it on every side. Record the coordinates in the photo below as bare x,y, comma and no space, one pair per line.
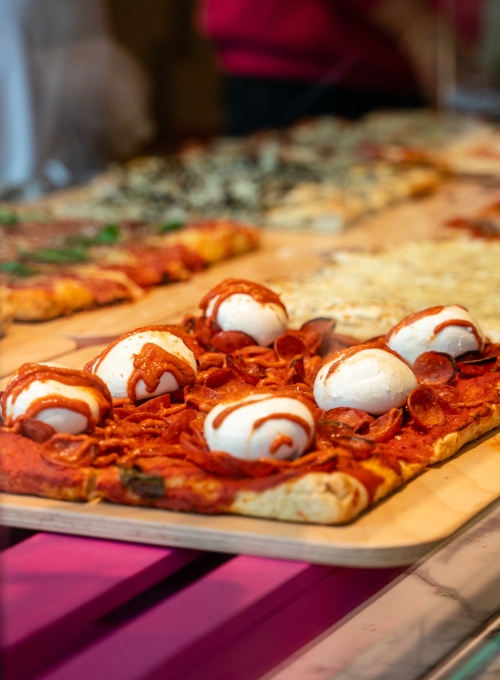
464,324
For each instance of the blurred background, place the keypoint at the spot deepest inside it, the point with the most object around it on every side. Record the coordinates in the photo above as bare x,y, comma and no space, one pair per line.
84,82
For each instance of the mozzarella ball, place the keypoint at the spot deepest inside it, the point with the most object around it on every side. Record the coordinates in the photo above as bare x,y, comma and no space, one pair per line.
116,364
262,321
60,418
410,338
371,380
260,425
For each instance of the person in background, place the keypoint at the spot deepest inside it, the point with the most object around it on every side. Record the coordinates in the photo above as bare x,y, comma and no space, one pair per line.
71,98
286,59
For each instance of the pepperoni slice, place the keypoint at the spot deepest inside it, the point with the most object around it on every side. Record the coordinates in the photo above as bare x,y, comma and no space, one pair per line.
337,342
297,365
201,398
219,377
360,447
386,426
288,346
434,368
349,416
424,407
36,430
334,428
477,366
230,341
449,397
154,405
321,325
324,327
249,378
210,360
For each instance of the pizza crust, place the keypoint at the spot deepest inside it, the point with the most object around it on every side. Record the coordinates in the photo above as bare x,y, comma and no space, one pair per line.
337,497
6,310
318,497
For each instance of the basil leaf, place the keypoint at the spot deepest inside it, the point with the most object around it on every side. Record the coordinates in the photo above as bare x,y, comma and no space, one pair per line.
169,226
8,218
142,484
108,234
59,255
16,268
105,236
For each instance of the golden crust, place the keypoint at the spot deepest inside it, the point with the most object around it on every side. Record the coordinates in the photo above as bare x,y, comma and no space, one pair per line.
337,497
6,310
318,497
48,298
23,470
216,241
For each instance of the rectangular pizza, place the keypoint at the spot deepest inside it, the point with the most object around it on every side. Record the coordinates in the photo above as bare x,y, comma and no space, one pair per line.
55,267
235,412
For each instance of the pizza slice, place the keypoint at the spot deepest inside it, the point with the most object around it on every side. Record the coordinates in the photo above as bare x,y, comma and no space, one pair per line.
52,269
484,224
234,412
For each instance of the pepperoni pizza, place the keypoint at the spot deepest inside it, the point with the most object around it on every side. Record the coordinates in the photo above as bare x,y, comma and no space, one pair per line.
234,412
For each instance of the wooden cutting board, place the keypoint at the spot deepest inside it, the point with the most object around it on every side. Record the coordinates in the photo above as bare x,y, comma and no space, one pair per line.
21,345
398,531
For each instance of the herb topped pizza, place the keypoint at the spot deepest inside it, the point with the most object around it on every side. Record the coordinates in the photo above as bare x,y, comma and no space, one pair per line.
52,268
235,412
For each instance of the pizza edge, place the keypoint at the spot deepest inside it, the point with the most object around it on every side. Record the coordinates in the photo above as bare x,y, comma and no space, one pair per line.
79,287
337,497
326,498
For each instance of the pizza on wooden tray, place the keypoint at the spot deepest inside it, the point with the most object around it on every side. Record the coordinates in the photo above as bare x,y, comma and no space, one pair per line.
52,268
234,412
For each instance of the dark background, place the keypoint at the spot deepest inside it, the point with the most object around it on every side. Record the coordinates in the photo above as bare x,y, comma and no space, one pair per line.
180,64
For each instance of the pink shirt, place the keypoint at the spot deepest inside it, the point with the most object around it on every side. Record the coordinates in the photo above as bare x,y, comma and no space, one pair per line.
327,40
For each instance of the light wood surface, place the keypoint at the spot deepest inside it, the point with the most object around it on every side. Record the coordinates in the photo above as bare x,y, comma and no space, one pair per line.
21,345
397,531
76,359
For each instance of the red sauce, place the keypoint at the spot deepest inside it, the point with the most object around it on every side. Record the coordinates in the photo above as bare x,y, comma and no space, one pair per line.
230,287
464,324
411,318
151,363
279,441
221,417
91,366
349,352
284,416
29,373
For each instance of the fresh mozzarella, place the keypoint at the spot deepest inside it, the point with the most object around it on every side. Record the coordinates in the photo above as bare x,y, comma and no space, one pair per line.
372,380
117,365
262,321
61,419
285,431
416,337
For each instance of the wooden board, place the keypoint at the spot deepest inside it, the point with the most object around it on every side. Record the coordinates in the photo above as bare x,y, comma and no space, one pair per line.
21,345
397,531
76,359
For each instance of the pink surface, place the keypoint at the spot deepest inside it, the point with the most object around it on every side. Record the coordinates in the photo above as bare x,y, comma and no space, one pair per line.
53,586
202,630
